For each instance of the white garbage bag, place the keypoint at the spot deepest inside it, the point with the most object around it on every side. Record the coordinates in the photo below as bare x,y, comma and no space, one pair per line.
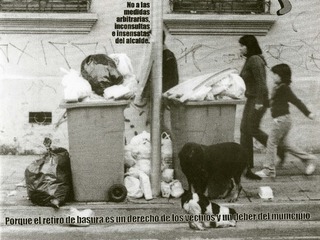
133,171
167,175
124,66
132,185
176,189
116,92
200,94
144,165
129,161
165,189
76,88
141,146
140,138
145,186
237,87
166,151
142,151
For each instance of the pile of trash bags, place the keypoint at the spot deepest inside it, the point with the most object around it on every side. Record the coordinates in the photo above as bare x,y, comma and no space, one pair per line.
49,179
138,168
224,84
102,77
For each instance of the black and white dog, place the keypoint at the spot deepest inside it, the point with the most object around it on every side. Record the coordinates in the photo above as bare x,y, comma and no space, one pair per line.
205,213
223,162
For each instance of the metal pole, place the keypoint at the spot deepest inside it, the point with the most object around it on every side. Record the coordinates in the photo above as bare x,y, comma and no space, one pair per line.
156,85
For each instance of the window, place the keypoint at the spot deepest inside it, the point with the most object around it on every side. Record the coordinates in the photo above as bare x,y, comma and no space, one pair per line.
44,5
219,17
46,17
221,6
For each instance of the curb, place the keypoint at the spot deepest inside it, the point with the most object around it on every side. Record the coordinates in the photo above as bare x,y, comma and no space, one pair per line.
307,211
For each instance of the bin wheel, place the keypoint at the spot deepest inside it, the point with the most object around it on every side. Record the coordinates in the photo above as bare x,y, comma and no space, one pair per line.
117,193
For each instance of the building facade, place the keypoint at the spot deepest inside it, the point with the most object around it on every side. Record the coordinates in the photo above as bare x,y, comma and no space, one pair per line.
35,45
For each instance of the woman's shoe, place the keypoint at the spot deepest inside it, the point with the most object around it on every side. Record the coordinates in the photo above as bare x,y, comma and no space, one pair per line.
265,173
282,155
310,168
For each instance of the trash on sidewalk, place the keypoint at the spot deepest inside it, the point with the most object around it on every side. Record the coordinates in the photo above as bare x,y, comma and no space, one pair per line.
48,180
79,215
173,189
21,184
12,193
265,193
138,163
166,151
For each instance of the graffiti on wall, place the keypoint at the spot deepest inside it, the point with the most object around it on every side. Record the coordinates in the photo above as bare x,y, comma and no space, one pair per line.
41,51
299,53
202,53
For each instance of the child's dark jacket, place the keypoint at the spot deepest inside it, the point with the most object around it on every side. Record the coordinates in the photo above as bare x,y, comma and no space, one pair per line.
279,102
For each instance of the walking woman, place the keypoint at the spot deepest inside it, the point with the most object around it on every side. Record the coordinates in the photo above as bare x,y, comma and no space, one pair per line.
254,76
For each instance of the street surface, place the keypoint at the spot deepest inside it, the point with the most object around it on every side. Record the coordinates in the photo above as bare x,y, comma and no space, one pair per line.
265,230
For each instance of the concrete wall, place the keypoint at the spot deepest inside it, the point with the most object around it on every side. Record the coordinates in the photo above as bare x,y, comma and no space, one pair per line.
30,75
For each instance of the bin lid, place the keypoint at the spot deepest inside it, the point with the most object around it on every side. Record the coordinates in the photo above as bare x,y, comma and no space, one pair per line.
209,102
107,103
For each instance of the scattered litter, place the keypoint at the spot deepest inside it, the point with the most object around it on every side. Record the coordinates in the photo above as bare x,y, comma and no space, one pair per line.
173,189
21,184
12,193
265,193
81,214
138,164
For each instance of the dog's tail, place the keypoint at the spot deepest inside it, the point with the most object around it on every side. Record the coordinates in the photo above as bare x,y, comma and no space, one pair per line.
251,175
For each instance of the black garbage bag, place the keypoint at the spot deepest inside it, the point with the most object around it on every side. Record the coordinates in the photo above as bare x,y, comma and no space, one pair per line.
49,179
101,72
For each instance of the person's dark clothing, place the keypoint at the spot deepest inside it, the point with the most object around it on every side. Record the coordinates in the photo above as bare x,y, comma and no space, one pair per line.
169,70
250,128
279,102
254,75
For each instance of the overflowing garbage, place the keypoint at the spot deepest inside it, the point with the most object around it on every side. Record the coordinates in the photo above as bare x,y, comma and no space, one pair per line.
102,77
224,84
138,165
49,179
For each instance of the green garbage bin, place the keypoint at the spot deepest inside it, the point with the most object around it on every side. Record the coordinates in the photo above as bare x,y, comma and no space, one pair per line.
203,122
96,147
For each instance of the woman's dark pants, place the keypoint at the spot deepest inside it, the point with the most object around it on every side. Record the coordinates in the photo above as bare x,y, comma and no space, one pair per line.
250,128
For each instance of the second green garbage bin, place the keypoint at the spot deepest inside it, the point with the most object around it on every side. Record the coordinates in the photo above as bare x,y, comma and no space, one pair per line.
203,122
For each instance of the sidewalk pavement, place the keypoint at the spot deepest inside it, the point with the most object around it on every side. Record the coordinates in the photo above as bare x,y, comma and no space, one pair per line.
293,192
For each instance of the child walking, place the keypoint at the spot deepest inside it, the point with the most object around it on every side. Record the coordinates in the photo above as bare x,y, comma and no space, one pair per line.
279,106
